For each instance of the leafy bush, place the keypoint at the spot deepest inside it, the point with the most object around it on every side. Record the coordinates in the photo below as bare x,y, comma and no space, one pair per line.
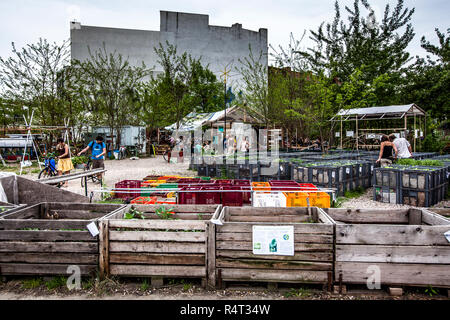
427,162
79,160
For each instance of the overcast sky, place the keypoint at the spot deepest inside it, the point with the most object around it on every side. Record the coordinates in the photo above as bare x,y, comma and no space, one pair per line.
24,21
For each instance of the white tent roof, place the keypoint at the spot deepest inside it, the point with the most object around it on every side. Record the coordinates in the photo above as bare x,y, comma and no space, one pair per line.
380,112
14,143
194,120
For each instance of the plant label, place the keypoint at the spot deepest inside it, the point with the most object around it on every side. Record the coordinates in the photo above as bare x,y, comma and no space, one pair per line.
92,227
447,235
276,240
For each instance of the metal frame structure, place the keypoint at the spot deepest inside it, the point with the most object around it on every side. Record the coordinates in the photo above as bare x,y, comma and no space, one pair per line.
380,113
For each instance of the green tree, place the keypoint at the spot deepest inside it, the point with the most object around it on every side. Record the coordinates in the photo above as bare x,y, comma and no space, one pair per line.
429,79
106,85
30,77
379,46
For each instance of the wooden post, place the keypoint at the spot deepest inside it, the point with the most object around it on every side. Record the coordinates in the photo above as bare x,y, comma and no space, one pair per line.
406,123
357,136
341,132
104,248
211,254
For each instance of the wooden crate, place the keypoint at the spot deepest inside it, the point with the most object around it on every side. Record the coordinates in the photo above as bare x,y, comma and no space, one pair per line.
154,247
230,253
46,238
7,208
407,245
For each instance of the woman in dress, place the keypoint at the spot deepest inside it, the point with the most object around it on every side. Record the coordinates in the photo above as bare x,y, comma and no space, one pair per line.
64,161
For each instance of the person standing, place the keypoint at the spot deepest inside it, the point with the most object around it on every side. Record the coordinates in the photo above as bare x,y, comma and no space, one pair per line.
403,147
386,155
64,161
98,151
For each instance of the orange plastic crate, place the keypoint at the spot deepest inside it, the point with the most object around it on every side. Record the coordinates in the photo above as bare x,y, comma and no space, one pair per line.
320,199
261,186
296,199
144,200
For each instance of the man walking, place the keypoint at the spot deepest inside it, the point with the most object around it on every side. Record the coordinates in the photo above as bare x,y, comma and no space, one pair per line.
98,148
403,147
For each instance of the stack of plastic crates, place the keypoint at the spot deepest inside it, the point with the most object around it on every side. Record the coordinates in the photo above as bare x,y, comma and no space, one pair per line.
120,191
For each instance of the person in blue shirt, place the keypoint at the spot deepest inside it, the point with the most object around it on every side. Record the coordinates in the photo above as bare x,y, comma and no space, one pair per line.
98,152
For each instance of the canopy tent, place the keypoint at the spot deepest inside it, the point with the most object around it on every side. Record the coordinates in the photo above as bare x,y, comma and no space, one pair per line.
395,112
195,120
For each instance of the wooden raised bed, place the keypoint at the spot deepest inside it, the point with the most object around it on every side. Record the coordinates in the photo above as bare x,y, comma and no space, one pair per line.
407,245
230,252
46,238
154,247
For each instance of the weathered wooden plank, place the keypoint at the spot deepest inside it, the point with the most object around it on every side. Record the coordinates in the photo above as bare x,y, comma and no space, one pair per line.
77,214
248,211
14,224
45,235
158,224
396,274
211,254
312,228
432,218
288,219
415,217
157,258
43,269
296,276
157,236
103,248
246,245
187,208
272,264
166,247
182,216
393,254
49,247
380,216
298,237
302,256
51,258
442,211
164,271
391,234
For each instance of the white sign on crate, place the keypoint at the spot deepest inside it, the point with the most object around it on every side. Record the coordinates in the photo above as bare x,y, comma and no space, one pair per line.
273,240
349,133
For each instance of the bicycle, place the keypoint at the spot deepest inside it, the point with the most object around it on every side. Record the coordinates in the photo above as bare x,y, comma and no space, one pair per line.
122,153
88,166
49,170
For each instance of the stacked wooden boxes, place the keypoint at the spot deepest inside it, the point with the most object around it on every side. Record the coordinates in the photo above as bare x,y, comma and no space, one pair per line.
405,247
47,238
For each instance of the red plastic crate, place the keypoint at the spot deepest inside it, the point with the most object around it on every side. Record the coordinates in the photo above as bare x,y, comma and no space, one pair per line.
223,181
232,199
190,197
188,180
213,197
280,185
245,184
308,186
127,184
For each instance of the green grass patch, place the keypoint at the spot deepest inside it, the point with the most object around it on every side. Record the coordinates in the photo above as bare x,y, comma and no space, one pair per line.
56,282
354,193
32,283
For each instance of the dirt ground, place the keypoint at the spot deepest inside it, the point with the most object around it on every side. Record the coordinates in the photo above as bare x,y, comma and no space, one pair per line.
114,289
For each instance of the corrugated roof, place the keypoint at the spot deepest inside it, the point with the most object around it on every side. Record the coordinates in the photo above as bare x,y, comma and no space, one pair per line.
384,110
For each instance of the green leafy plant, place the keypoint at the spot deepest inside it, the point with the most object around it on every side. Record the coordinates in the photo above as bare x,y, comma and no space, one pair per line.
165,213
431,291
79,160
133,214
301,292
145,285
